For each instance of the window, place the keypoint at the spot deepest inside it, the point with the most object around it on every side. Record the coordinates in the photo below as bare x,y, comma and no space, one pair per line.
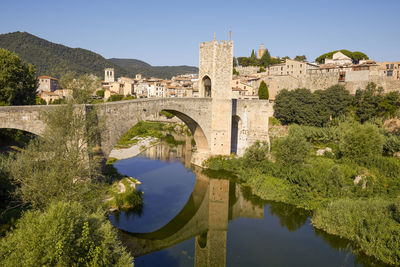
300,72
387,66
301,65
391,66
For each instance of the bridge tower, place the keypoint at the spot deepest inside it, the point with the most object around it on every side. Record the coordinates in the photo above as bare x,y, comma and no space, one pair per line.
215,78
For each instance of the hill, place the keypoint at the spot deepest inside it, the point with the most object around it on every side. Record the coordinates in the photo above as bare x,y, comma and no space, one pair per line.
134,66
56,59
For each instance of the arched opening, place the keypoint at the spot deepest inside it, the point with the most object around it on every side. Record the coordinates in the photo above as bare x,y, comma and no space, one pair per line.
10,138
235,133
121,132
202,240
195,129
206,82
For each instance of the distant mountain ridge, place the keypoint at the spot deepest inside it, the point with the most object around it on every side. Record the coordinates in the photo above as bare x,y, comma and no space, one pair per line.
56,59
138,66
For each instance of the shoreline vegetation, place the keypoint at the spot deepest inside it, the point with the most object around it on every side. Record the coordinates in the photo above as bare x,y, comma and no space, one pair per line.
344,173
336,155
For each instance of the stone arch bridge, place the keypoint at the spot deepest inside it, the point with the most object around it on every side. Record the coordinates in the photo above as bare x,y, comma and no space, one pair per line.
249,121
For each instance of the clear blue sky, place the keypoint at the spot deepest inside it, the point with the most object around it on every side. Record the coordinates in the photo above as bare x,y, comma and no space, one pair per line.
169,32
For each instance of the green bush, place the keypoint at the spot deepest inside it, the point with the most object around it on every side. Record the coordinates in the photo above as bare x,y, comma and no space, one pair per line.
256,152
361,142
100,93
63,235
291,150
115,98
391,144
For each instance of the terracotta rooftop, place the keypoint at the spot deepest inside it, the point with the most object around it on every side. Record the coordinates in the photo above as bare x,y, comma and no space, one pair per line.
47,77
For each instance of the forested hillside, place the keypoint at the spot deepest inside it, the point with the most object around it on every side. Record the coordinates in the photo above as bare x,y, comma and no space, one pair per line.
134,66
56,59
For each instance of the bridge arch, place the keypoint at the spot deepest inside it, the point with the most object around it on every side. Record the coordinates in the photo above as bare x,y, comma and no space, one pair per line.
119,117
195,129
24,118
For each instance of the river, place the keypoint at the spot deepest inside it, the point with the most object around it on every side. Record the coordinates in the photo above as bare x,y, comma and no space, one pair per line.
195,218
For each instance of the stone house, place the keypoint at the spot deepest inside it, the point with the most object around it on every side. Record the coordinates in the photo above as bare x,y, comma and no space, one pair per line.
390,69
48,96
291,67
339,59
47,84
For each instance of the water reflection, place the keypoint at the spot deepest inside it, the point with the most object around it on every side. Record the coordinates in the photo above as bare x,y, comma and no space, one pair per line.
198,234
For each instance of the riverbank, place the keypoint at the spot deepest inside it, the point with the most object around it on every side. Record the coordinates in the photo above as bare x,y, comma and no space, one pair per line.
142,144
352,190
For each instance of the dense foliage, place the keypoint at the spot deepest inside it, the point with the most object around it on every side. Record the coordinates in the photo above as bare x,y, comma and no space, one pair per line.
17,80
263,91
353,188
301,106
57,60
65,234
264,61
355,56
60,160
374,224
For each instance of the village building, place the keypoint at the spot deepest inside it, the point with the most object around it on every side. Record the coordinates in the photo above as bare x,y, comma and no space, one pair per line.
390,69
339,59
49,97
47,84
291,67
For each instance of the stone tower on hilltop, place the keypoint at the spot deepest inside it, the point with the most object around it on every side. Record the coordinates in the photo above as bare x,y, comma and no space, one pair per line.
109,75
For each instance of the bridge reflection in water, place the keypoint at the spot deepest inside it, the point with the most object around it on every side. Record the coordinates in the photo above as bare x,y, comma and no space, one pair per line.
205,215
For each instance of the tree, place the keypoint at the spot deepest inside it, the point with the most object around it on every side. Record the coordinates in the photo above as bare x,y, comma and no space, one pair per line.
62,165
253,55
299,106
253,58
361,142
355,56
266,58
263,91
334,99
244,61
285,58
65,234
302,58
17,80
83,87
235,62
